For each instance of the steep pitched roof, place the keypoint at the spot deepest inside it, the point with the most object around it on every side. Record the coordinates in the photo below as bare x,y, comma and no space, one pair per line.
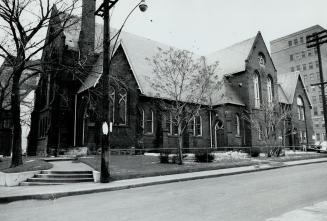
232,59
138,49
288,83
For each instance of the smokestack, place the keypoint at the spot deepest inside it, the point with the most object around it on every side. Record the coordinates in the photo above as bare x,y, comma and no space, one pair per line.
87,33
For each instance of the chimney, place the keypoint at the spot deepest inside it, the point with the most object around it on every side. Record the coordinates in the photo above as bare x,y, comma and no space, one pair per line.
87,33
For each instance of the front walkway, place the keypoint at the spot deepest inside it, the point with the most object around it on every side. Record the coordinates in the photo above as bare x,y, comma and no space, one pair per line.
69,166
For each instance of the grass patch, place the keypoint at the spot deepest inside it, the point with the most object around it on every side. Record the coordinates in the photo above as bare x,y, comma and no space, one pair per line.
126,167
29,164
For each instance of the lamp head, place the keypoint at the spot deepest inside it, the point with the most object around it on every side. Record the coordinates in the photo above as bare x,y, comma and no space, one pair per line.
105,128
143,6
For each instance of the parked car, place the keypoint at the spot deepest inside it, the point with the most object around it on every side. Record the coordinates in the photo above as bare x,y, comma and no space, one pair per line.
314,147
323,147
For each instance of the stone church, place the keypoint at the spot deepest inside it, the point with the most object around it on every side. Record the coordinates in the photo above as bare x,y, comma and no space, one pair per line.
67,99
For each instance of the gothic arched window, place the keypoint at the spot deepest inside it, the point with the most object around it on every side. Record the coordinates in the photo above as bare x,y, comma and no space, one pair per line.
257,95
122,102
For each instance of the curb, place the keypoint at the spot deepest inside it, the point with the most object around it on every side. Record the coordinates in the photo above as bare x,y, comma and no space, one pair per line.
53,196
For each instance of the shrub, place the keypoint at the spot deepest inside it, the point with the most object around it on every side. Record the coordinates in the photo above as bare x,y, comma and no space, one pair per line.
164,158
204,157
255,151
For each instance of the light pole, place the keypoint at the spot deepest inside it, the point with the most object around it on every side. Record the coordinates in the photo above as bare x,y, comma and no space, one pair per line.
103,11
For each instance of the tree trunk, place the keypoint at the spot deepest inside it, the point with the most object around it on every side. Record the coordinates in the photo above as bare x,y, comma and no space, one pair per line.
180,145
15,111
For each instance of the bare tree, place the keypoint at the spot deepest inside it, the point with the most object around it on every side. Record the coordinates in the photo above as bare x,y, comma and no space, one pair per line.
22,24
184,86
270,124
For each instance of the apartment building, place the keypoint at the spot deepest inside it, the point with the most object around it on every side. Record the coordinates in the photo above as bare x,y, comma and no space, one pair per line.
290,53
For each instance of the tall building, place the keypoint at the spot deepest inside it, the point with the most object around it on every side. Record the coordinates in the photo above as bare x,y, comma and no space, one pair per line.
290,53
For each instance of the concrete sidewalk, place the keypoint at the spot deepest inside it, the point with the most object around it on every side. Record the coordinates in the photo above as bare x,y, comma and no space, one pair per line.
10,194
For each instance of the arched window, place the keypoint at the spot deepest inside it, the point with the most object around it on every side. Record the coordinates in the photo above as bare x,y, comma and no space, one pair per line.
260,132
196,125
122,107
269,90
238,125
149,122
141,111
112,104
300,108
257,96
261,60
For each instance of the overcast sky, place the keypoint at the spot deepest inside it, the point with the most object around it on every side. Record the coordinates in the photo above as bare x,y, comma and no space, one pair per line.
204,26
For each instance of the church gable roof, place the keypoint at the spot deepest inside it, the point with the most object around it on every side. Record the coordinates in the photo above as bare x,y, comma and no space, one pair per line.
288,83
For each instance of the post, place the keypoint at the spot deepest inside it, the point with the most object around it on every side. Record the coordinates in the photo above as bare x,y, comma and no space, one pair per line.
321,81
104,175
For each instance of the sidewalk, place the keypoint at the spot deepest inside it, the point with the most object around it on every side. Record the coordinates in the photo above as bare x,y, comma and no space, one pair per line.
10,194
316,212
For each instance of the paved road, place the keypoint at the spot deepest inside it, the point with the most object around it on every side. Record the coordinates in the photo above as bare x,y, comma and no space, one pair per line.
252,196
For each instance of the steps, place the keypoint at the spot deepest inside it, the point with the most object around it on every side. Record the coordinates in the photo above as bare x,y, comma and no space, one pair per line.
51,177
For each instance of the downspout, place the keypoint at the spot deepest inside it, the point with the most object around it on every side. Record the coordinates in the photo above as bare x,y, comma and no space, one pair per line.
75,116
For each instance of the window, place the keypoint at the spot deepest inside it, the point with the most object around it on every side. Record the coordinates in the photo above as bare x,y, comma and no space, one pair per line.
300,108
122,107
315,111
295,41
257,96
310,65
238,125
301,40
142,118
298,67
292,69
289,43
314,99
300,136
261,59
315,51
309,52
320,98
269,90
312,77
317,64
304,67
149,122
112,104
196,125
260,132
303,54
291,57
43,126
317,136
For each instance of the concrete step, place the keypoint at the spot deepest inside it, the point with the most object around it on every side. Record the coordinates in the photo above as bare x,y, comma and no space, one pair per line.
60,180
38,184
87,175
65,172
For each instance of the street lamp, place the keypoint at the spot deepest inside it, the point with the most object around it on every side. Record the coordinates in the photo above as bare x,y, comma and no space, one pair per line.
103,11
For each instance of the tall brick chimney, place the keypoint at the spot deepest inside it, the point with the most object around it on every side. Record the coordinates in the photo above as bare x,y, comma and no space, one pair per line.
87,33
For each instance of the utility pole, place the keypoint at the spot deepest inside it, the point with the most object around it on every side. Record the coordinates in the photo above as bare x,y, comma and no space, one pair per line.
103,11
315,40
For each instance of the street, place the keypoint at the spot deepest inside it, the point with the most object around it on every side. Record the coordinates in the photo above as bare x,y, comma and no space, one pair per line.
251,196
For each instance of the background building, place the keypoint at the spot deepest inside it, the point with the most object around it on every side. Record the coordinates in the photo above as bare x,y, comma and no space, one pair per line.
290,54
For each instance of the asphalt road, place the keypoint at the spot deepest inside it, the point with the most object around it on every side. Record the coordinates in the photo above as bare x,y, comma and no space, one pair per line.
252,196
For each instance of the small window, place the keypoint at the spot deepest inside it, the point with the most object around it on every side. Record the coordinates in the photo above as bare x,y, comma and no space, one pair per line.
304,67
292,69
317,64
312,77
261,60
301,40
309,52
315,111
300,106
303,54
289,43
291,57
269,90
295,41
298,67
149,122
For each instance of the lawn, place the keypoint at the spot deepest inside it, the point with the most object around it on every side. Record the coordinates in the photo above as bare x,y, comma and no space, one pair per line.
133,166
29,164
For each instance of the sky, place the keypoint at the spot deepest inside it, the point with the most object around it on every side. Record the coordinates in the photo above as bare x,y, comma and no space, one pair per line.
204,26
